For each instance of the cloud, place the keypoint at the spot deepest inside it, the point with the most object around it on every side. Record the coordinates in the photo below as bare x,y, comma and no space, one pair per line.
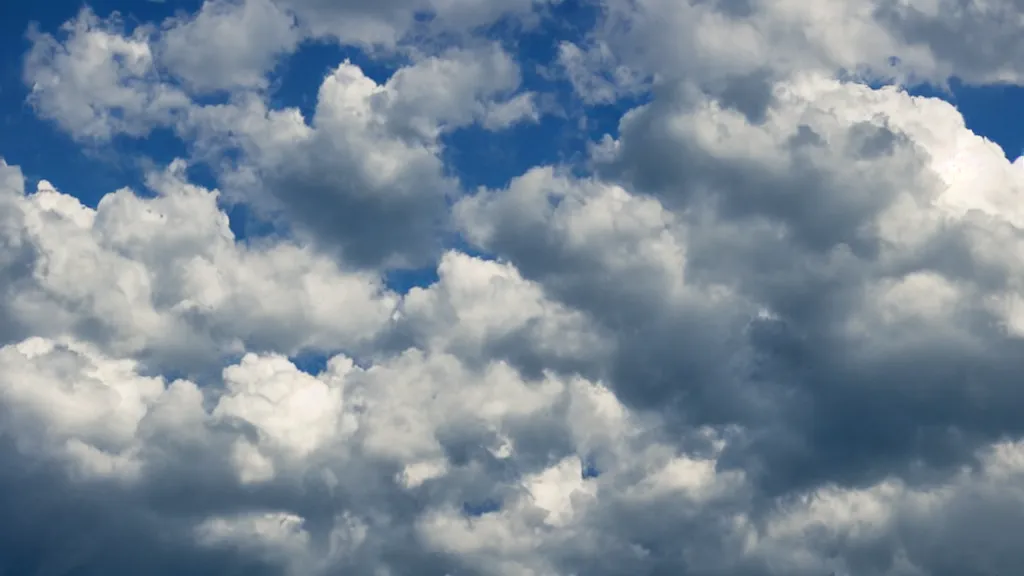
711,43
943,27
383,25
413,434
771,326
163,278
828,278
365,176
763,273
228,45
97,82
346,469
362,177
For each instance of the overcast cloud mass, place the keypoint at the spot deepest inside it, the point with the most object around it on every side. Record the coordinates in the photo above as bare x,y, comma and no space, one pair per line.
767,321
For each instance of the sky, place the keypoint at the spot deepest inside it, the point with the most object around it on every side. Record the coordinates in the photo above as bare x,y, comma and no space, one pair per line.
517,287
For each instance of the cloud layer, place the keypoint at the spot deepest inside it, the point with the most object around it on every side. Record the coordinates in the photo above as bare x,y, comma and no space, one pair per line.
770,326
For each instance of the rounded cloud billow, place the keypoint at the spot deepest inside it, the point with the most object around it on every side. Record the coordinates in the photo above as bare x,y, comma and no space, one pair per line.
771,324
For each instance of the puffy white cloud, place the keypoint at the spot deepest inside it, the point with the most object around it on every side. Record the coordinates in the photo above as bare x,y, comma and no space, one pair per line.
228,44
835,278
340,456
364,176
345,454
349,181
97,82
163,278
730,47
99,79
962,37
482,310
457,88
381,25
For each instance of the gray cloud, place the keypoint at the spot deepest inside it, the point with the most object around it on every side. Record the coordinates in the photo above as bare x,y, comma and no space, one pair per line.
799,348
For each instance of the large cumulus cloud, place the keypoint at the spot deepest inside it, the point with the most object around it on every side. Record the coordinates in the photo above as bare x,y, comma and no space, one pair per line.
362,177
771,327
163,278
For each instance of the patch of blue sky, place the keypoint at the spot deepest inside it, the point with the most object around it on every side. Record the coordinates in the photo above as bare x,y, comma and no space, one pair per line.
477,509
995,112
312,363
403,280
490,159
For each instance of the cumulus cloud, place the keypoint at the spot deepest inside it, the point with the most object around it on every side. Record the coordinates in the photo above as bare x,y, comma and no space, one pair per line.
365,175
164,278
715,44
228,44
839,242
352,462
100,78
383,25
98,82
771,327
362,176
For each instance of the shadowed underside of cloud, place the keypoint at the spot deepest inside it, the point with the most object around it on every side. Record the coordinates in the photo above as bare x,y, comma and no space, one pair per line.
772,327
